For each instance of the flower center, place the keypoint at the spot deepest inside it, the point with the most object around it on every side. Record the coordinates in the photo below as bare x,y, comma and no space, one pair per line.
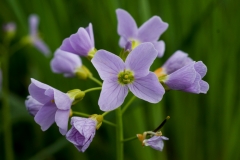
125,77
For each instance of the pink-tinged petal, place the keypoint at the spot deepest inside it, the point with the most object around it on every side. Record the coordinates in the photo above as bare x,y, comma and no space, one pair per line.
65,62
152,29
140,59
37,91
147,88
182,78
66,46
41,46
176,61
89,30
160,47
81,42
45,117
107,64
126,24
33,24
122,42
61,119
204,86
112,95
62,100
201,68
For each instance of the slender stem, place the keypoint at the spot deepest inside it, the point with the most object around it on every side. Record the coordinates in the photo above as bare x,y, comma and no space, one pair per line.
6,109
119,134
95,80
128,104
129,139
105,113
92,89
88,115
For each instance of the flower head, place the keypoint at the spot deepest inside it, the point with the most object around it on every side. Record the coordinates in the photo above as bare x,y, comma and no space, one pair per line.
34,37
133,74
82,132
150,31
32,105
80,43
56,106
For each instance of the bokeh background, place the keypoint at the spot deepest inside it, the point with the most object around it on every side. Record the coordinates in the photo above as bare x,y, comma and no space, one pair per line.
200,127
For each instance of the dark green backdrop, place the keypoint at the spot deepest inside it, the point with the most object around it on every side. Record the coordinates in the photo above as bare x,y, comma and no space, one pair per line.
201,126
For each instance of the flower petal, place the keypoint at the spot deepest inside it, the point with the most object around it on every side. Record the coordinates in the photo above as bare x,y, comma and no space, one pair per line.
37,91
62,100
89,30
46,115
32,105
152,29
41,46
107,64
182,78
140,59
112,95
122,42
147,88
61,119
201,68
81,42
176,61
66,46
126,24
33,24
204,86
160,47
195,86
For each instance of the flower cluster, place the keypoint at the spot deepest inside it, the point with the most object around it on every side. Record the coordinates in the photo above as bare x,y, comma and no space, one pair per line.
129,71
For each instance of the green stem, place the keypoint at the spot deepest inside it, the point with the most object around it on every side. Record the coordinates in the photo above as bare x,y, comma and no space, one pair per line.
95,80
6,109
105,113
88,115
16,47
92,89
119,134
128,104
129,139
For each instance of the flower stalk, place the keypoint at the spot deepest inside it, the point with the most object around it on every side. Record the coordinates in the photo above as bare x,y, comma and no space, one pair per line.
119,134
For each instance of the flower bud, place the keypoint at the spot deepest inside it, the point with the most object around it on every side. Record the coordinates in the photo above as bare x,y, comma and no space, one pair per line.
83,72
76,95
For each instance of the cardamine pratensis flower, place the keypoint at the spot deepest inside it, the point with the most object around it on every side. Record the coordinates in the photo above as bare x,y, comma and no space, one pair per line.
132,74
69,64
155,142
34,37
80,43
83,131
182,73
150,31
56,106
32,105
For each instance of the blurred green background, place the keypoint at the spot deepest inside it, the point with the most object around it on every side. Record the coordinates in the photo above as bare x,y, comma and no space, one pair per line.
201,126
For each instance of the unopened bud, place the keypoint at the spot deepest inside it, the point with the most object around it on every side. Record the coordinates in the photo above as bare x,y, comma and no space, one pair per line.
76,95
83,72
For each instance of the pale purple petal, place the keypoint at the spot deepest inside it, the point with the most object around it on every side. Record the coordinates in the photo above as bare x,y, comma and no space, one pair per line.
66,46
140,59
46,115
176,61
41,46
195,86
201,68
32,106
89,30
156,142
107,64
182,78
122,42
33,24
37,91
204,86
65,62
62,100
160,47
126,24
81,42
112,95
152,29
147,88
61,119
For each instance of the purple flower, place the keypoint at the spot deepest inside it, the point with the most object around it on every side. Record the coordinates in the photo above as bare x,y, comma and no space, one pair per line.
35,39
56,106
65,62
134,74
80,43
32,105
155,142
150,31
82,132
